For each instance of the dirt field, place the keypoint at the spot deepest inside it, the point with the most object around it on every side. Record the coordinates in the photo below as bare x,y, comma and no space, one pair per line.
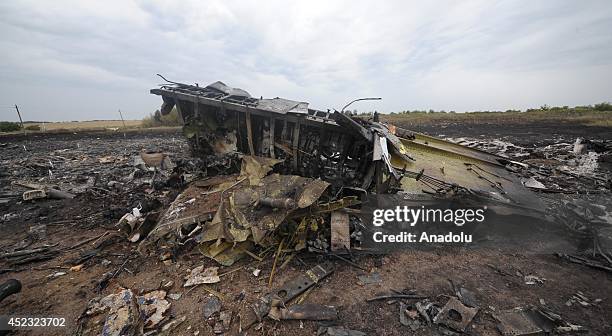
494,277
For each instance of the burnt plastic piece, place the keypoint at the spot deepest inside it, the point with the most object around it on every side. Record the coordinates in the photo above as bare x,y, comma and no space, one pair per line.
10,287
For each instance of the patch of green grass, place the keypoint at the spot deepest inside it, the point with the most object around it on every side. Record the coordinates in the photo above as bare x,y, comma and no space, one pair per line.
597,115
7,126
157,119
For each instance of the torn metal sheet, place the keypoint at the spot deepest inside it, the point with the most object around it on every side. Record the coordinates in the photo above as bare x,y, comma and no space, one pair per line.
194,206
523,321
123,317
340,231
386,157
255,168
455,315
242,221
152,307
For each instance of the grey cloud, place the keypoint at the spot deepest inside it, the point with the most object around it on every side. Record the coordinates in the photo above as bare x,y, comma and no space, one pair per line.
83,60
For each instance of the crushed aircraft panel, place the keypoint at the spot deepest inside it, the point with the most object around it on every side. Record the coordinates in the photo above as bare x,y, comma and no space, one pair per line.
340,149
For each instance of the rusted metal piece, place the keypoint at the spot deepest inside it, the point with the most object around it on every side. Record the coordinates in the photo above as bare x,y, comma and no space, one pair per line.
313,312
284,294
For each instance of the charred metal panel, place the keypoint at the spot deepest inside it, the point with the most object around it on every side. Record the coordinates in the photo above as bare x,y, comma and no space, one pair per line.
221,121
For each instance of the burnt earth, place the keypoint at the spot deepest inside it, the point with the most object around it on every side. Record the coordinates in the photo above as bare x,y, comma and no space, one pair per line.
491,275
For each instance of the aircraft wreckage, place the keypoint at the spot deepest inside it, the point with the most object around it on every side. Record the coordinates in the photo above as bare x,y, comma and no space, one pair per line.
241,139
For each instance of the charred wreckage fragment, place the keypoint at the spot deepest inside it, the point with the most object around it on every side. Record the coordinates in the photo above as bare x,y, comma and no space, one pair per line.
280,175
221,121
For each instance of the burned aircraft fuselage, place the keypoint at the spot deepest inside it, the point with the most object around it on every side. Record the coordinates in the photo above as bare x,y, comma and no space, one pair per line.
220,120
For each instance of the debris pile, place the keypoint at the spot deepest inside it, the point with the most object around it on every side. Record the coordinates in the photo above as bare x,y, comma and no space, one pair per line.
560,167
272,179
128,314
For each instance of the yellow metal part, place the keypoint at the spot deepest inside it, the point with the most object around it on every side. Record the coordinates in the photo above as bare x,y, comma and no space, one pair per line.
453,164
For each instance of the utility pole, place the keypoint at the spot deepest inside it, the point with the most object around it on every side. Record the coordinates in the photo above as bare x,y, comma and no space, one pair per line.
20,120
123,121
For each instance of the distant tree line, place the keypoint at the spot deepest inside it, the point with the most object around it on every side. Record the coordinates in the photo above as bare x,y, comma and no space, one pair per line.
7,126
605,106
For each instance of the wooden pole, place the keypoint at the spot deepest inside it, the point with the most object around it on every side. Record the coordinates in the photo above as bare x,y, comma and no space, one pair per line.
123,121
20,120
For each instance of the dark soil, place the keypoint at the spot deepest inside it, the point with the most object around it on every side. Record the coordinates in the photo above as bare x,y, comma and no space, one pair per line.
493,276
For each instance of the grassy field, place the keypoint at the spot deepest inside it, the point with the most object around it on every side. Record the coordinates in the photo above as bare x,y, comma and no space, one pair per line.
587,117
580,115
84,125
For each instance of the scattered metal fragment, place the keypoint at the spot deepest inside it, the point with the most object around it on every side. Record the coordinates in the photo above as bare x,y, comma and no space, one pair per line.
371,278
34,194
56,274
533,183
279,203
340,231
175,296
46,193
584,261
199,276
399,296
285,293
168,327
123,316
533,280
532,321
211,306
152,307
314,312
464,295
423,307
408,320
520,321
455,315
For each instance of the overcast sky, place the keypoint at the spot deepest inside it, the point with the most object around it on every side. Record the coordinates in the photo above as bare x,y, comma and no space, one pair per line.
79,60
